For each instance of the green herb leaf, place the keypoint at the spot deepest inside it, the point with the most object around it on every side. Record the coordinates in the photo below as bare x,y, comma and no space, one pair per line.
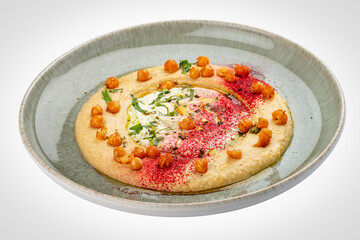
135,104
168,128
116,90
185,66
106,96
137,128
254,130
161,94
156,141
162,105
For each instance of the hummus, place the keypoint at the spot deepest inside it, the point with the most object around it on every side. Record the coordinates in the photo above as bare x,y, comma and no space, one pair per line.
148,116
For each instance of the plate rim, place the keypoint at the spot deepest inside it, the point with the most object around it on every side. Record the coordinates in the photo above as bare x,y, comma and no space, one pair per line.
189,209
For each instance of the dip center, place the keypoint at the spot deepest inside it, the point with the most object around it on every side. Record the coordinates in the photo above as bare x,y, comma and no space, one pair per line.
154,120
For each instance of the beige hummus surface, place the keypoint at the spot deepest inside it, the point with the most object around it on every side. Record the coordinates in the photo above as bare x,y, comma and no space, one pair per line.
222,170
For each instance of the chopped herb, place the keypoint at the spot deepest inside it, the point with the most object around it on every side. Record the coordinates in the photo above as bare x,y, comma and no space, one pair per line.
168,128
116,90
156,141
162,105
254,130
135,104
173,113
136,128
191,94
106,96
161,94
185,66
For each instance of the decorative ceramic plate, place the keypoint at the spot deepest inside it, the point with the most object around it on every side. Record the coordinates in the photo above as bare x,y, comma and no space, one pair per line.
52,102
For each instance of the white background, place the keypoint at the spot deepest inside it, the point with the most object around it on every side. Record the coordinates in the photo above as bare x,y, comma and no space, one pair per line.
32,206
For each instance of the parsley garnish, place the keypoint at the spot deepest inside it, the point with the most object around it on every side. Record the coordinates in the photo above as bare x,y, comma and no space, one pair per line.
136,105
161,94
136,128
116,90
106,96
254,130
156,141
185,66
162,105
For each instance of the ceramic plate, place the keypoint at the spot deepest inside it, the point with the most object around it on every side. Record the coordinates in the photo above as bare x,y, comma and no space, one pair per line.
51,104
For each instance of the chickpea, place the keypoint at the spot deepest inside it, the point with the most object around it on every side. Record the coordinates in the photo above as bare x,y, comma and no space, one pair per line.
97,121
171,66
165,160
236,154
112,82
101,134
221,72
262,123
201,165
280,117
202,61
143,75
267,92
207,71
229,76
194,72
120,155
153,152
257,87
244,125
113,107
96,110
167,84
114,140
138,152
187,123
136,164
241,71
265,136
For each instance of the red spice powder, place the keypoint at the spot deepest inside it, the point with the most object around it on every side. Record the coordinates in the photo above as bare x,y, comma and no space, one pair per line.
216,123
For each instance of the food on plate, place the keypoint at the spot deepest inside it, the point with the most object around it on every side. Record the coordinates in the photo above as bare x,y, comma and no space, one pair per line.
184,127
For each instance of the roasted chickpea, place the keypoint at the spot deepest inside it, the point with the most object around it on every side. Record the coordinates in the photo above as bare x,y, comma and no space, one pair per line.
165,160
262,123
113,107
167,84
194,72
114,140
138,152
244,125
143,75
257,87
153,152
96,110
221,72
236,154
207,71
280,117
101,134
171,66
202,61
97,121
120,155
201,165
136,164
241,71
265,136
229,76
112,82
187,123
267,92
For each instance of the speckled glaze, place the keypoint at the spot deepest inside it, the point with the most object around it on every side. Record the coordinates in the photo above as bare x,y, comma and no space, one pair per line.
311,90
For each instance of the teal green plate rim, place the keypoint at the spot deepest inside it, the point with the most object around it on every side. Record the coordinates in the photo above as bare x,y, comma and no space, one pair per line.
185,209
